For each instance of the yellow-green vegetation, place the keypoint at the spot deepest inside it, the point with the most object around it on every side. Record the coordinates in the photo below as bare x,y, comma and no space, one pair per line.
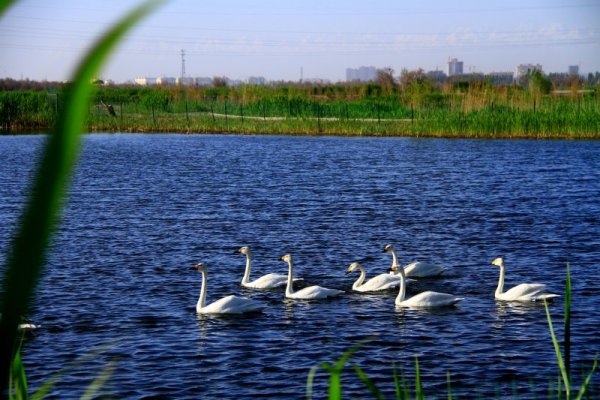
414,107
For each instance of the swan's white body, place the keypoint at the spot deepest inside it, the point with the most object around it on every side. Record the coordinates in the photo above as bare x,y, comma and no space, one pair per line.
307,293
419,269
379,282
268,281
416,269
522,292
423,300
227,305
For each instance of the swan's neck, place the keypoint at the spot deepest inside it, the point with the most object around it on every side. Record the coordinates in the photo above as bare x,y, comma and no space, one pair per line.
202,298
395,261
394,258
500,287
289,288
402,292
246,277
361,278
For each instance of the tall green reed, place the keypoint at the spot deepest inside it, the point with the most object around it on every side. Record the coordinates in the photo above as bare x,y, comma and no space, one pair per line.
564,363
40,217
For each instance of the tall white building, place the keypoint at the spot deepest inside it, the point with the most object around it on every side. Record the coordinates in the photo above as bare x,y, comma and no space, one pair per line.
145,81
455,67
525,69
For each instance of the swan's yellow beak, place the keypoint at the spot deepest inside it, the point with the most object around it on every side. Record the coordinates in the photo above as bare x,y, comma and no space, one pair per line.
393,268
281,258
197,266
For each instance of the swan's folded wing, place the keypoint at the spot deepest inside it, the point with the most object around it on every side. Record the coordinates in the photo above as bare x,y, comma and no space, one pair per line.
268,281
316,292
232,305
420,269
431,299
381,282
524,291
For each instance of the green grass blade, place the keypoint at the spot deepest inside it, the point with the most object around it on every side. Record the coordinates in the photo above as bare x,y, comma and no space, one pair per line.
559,358
449,385
418,386
311,377
100,381
399,393
43,391
587,380
335,379
18,379
27,254
335,373
5,4
309,381
567,338
368,382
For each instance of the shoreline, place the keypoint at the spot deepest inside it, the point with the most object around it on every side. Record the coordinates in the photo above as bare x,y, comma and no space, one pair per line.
233,130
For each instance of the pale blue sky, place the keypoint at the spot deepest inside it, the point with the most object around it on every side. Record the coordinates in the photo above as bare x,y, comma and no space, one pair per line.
276,39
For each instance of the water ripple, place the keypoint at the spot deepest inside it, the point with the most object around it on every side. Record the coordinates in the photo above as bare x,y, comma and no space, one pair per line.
144,208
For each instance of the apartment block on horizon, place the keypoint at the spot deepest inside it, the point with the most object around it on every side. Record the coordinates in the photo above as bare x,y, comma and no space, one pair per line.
361,74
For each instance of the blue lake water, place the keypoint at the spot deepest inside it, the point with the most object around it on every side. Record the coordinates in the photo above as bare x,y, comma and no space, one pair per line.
143,209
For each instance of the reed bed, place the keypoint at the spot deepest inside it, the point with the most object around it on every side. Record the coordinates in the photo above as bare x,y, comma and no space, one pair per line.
489,112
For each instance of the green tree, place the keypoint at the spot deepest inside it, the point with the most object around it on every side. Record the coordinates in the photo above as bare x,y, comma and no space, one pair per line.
539,84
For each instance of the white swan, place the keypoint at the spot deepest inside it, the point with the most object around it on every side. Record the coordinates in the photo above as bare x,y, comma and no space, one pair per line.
416,269
227,305
268,281
379,282
426,299
522,292
307,293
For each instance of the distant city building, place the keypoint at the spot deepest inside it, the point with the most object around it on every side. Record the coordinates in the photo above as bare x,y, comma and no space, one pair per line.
361,74
257,80
185,81
164,81
455,67
203,81
573,69
436,75
317,81
500,78
145,81
523,70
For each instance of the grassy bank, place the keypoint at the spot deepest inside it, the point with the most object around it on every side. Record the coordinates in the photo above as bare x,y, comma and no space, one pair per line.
479,111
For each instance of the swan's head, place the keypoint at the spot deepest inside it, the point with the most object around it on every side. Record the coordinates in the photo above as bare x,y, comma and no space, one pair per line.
199,267
244,250
498,261
388,248
353,267
393,269
286,258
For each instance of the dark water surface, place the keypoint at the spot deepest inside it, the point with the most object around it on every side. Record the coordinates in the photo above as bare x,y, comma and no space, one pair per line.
144,208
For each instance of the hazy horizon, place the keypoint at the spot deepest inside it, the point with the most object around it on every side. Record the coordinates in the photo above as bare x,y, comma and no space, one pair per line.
318,39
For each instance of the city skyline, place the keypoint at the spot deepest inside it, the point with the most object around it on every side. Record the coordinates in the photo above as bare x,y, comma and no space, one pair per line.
292,40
